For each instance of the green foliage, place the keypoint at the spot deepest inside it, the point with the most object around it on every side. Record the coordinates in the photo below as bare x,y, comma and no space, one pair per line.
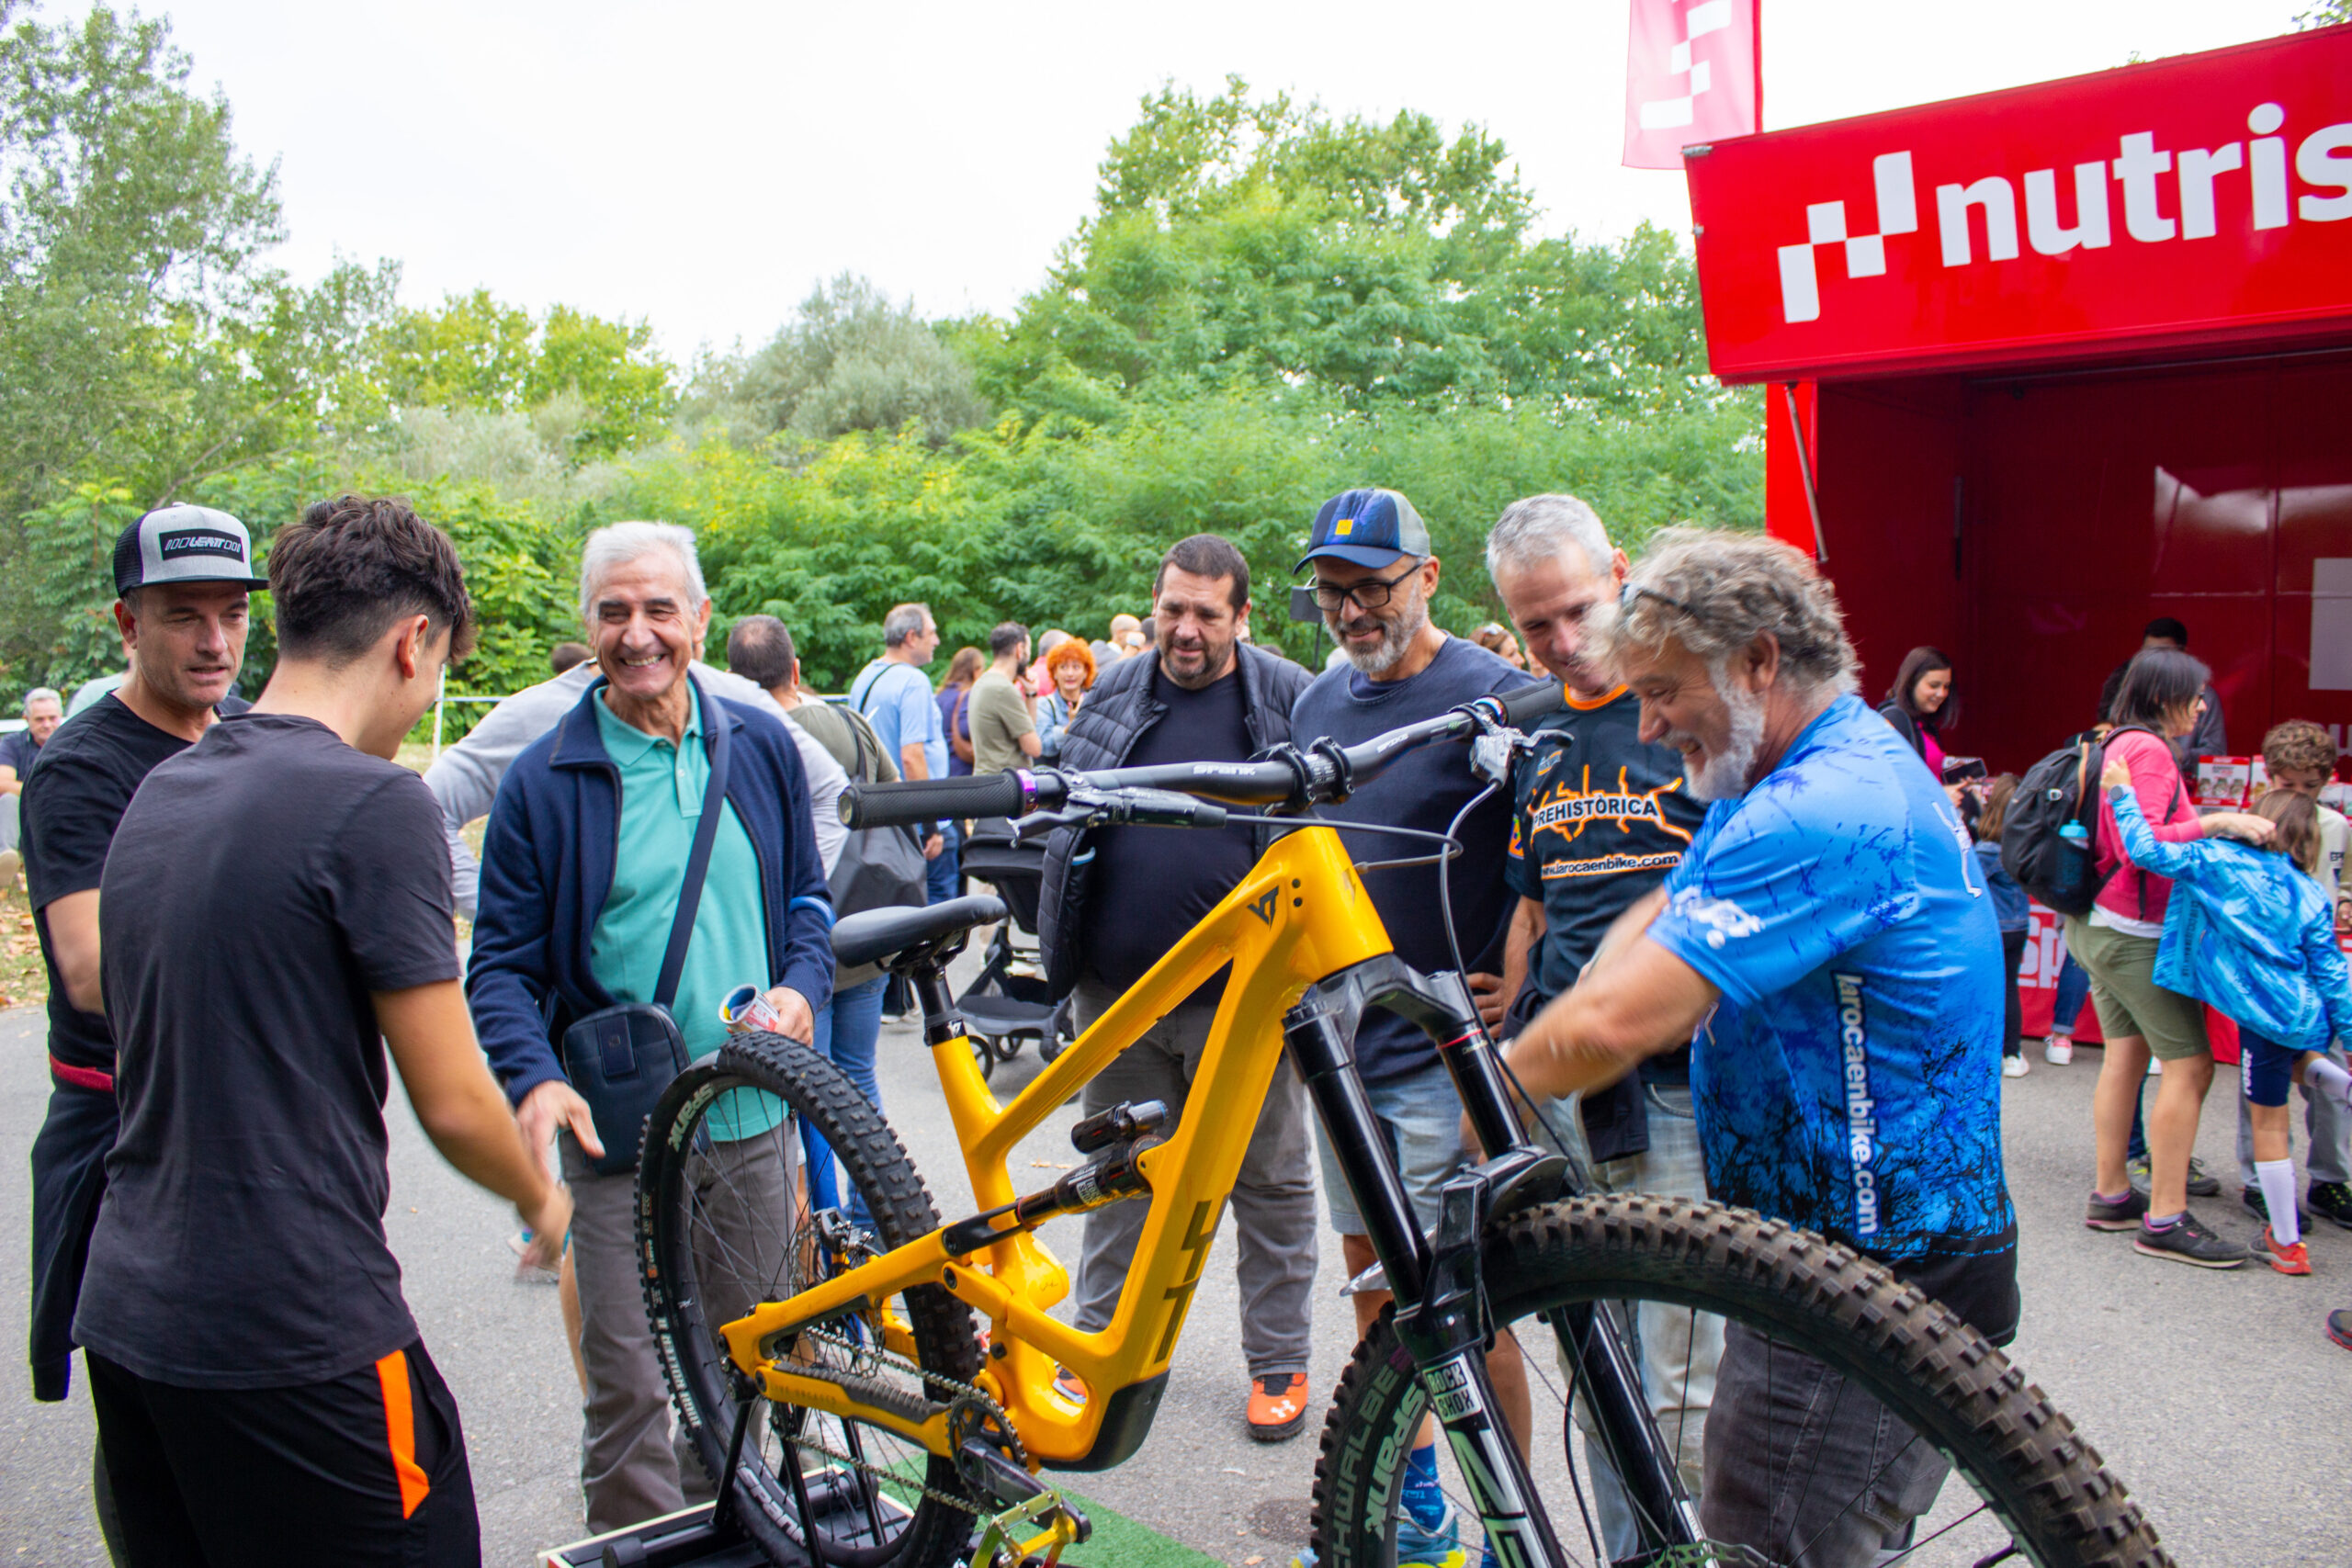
1267,306
1068,529
852,360
472,352
2325,14
610,389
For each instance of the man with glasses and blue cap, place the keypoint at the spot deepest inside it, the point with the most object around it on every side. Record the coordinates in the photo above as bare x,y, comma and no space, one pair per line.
1375,575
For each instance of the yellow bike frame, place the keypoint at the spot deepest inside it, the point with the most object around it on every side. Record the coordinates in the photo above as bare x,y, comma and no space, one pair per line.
1301,914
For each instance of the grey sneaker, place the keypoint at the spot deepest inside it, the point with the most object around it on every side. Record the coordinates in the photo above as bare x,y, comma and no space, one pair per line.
2186,1241
2202,1183
2126,1216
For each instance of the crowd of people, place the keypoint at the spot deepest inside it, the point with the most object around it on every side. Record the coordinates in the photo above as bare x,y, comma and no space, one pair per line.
2199,912
241,910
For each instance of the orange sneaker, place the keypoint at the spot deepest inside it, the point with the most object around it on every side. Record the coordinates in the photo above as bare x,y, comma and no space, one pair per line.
1069,1385
2289,1259
1277,1406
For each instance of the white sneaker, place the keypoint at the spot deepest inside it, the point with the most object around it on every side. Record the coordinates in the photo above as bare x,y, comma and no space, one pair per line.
2015,1066
2058,1050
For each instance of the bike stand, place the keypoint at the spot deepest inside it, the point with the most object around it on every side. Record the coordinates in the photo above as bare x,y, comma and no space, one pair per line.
688,1539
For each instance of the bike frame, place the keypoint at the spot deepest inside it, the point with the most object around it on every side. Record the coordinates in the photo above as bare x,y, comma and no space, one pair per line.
1309,952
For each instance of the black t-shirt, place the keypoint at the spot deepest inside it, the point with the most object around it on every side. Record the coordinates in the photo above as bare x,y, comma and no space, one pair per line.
1601,818
1150,885
262,886
90,769
1422,789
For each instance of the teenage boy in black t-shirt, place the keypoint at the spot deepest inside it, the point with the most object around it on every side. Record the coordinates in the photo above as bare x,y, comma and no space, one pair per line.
182,576
276,910
1598,819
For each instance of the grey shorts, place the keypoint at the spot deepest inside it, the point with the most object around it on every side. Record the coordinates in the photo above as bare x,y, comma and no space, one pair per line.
1422,1116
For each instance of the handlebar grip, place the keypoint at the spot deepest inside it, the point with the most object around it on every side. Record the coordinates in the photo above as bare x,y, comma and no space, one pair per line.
930,800
1529,703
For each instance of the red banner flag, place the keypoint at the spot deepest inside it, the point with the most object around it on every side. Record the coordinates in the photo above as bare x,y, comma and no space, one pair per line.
1694,72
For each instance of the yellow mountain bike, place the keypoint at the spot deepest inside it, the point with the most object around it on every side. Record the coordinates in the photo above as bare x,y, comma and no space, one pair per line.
871,1387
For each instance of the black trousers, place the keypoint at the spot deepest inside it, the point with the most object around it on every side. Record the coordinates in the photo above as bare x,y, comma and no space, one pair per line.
367,1468
2013,1018
69,1161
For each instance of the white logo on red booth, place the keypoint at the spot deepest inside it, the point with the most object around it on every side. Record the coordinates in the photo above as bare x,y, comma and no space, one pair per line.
2247,180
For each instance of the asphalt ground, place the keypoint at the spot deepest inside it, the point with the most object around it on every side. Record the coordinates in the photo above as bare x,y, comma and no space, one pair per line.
2216,1397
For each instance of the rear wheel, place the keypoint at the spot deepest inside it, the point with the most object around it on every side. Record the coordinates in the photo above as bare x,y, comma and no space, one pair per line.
2034,1490
724,1223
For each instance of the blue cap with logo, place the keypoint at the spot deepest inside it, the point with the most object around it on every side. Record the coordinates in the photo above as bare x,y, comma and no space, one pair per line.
1369,527
185,543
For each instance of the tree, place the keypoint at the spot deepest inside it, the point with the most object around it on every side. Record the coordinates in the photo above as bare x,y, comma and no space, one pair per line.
853,359
1246,243
476,353
612,368
2325,14
472,352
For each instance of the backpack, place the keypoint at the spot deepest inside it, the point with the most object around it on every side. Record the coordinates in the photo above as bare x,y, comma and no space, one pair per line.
880,868
2049,841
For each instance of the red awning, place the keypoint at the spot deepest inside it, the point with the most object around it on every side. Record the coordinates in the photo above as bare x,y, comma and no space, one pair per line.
2188,204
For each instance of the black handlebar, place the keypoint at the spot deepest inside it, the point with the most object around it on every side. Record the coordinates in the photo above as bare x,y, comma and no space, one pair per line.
931,800
1322,772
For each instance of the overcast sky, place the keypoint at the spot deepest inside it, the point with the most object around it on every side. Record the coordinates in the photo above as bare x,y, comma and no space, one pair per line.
702,163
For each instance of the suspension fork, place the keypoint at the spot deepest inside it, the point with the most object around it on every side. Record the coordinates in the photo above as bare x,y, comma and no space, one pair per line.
1439,1284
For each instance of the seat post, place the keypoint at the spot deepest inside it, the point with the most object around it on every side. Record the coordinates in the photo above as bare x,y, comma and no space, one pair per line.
940,1022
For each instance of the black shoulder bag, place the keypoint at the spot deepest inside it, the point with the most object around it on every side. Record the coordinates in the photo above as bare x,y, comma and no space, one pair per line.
621,1058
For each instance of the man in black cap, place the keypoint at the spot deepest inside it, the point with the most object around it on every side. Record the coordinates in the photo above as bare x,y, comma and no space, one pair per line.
182,576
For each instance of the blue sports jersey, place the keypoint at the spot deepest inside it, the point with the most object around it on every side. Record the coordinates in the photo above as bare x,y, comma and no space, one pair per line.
1850,1079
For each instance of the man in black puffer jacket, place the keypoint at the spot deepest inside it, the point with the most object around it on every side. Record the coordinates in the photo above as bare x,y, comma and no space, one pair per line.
1115,899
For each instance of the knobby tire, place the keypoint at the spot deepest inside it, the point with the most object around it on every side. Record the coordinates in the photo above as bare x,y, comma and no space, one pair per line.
702,1379
1954,1387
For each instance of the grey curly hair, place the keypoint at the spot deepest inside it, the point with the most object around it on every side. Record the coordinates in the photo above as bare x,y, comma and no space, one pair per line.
1717,592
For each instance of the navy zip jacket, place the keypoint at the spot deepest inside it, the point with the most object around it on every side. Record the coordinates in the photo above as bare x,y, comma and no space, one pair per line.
547,868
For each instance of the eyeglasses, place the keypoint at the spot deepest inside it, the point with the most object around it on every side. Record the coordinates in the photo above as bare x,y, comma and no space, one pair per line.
1632,591
1372,594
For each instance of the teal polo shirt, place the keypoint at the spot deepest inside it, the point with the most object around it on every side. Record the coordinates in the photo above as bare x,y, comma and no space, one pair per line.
662,804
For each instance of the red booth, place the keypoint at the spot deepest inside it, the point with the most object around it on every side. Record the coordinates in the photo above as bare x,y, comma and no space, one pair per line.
2044,364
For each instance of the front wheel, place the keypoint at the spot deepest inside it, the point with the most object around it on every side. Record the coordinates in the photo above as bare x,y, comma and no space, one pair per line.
2035,1492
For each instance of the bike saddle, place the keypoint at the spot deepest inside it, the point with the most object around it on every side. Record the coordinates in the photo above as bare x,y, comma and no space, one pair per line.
900,937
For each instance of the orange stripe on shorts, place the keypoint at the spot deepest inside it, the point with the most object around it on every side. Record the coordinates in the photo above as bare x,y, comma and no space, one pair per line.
400,1428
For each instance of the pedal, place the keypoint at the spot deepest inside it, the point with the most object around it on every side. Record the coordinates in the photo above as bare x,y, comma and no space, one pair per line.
988,1471
1104,1128
1006,1542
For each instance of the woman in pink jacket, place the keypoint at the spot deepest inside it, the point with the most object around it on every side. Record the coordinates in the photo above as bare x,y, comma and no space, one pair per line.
2116,944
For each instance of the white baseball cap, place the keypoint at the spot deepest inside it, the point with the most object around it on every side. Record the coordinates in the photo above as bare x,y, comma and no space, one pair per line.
185,543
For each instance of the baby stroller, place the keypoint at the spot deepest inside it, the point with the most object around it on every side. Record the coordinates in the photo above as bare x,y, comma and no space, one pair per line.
1008,1001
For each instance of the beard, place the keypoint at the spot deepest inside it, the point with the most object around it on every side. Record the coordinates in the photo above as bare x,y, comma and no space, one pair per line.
1397,636
1724,774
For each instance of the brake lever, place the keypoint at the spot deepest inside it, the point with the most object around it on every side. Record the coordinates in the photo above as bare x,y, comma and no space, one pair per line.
1038,824
1496,747
1125,807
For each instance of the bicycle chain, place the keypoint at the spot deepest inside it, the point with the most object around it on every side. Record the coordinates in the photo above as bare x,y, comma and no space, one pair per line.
875,1356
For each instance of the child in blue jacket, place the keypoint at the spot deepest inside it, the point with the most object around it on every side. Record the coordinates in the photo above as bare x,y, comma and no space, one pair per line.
2249,933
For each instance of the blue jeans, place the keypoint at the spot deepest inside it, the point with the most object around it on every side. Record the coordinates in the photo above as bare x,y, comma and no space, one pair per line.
1677,1350
939,875
847,1033
2073,988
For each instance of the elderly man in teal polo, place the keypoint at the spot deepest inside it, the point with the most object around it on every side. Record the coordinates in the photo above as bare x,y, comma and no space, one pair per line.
583,869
